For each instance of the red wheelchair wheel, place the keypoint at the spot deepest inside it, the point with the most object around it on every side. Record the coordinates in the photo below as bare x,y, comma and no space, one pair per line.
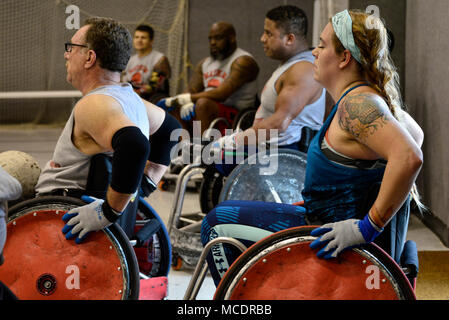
41,264
283,267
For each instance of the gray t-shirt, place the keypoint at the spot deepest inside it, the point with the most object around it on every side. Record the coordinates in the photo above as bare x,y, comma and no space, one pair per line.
139,69
216,71
69,167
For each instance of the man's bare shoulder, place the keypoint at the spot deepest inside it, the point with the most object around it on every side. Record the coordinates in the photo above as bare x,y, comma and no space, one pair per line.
296,75
245,62
299,69
199,65
245,67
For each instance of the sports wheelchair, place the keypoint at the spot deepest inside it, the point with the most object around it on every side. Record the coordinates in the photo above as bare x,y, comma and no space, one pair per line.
184,228
41,264
365,272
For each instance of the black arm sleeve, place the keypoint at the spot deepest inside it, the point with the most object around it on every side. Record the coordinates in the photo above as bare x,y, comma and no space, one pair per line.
131,149
161,145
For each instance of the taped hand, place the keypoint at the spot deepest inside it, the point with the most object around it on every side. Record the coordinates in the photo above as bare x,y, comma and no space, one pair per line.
187,111
338,236
171,103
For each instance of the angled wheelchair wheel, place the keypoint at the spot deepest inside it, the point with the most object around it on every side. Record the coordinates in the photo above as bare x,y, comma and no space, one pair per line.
41,264
244,119
155,256
275,176
210,188
282,266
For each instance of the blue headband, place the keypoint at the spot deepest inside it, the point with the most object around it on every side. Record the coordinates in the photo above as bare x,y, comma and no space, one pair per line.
342,24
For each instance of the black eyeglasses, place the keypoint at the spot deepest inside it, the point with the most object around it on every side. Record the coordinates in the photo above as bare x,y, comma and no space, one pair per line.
69,45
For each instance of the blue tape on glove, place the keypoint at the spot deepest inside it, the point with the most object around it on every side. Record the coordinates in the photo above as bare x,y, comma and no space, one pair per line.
88,199
163,105
367,229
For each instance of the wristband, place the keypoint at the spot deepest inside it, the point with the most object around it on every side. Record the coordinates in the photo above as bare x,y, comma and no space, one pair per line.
147,185
109,213
368,229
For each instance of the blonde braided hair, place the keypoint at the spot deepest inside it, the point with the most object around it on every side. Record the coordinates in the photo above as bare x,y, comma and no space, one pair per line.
371,37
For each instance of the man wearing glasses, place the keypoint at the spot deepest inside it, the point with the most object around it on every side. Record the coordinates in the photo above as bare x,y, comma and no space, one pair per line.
110,119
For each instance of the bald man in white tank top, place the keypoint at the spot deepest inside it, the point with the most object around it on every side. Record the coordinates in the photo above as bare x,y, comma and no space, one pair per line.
222,84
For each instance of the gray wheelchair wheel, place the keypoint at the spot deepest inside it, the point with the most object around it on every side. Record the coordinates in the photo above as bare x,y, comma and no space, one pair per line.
276,176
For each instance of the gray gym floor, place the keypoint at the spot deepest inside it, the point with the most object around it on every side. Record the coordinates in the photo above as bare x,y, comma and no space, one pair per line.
39,142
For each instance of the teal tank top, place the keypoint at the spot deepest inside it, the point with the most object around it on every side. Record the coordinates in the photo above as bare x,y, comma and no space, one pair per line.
333,192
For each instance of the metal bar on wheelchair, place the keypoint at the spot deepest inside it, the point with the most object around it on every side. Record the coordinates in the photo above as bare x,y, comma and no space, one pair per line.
189,221
193,214
201,268
239,123
181,186
192,227
213,123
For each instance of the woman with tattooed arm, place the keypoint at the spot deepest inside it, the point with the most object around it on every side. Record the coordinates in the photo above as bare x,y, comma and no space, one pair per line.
369,148
361,165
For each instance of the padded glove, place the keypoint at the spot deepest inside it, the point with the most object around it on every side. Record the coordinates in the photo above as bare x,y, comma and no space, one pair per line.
91,217
339,236
147,185
187,111
171,103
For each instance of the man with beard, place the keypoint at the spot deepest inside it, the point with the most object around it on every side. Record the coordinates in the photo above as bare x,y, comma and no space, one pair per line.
222,84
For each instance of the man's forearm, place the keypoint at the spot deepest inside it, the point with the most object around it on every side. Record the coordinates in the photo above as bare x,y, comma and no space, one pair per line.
155,171
116,200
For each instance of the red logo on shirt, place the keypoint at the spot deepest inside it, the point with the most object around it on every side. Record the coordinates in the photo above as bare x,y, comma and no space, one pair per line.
214,78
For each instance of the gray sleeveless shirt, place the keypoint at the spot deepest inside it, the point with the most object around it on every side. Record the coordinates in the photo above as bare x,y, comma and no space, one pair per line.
311,116
216,71
139,69
69,166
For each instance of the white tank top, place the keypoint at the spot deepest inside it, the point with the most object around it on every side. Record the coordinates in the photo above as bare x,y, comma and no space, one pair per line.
311,116
69,166
216,71
139,69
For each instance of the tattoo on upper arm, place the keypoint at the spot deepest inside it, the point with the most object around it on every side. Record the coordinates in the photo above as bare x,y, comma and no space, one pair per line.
244,69
196,81
361,116
163,67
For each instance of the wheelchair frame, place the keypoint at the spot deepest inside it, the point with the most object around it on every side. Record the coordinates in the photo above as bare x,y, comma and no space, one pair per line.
183,228
283,240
